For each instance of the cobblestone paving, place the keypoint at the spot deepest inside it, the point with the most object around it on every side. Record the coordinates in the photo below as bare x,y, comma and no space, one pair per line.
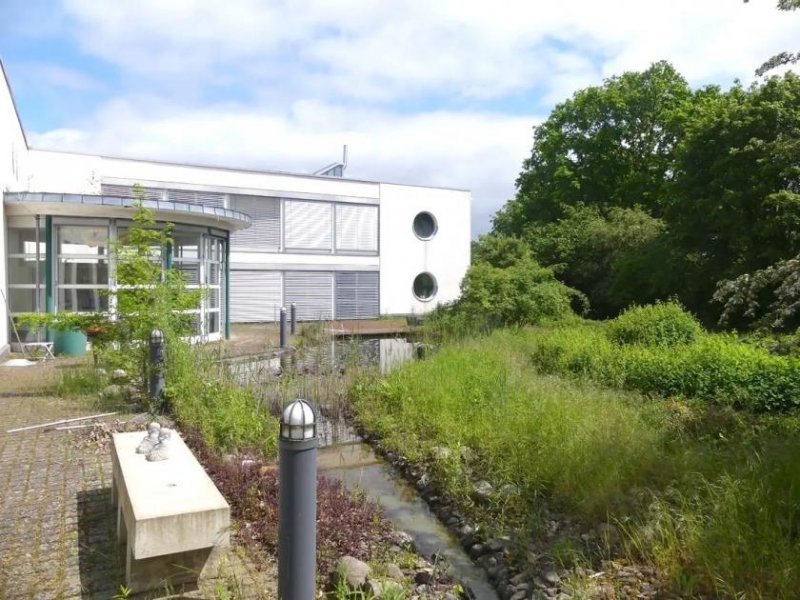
57,527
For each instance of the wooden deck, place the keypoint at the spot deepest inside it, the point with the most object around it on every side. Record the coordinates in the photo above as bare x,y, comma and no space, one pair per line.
383,327
262,338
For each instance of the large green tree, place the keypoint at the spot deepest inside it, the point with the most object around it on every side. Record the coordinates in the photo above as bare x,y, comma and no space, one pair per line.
608,146
642,189
608,257
735,205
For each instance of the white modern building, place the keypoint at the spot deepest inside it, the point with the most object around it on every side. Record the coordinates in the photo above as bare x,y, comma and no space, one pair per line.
255,240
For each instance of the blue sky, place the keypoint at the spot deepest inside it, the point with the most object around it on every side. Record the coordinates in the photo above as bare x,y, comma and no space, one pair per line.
439,92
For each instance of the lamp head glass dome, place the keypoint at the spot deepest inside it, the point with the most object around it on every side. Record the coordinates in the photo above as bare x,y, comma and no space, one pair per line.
298,421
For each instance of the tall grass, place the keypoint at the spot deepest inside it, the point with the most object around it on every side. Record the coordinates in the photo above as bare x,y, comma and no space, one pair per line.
710,495
583,444
201,395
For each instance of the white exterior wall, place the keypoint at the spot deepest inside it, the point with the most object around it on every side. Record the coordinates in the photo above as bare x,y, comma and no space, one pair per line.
276,260
69,173
63,173
403,255
235,181
13,173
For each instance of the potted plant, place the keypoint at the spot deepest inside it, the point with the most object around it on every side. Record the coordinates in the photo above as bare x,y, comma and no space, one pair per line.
70,330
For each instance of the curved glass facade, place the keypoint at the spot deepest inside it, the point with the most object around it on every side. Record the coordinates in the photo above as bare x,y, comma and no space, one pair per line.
75,253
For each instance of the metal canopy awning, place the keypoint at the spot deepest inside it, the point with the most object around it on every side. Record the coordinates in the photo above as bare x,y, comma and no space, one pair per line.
88,205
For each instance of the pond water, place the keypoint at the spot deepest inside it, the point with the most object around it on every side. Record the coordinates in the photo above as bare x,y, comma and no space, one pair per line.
385,353
339,354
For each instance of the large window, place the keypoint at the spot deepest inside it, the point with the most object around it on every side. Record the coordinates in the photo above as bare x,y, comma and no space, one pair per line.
356,228
26,274
25,269
264,232
187,247
307,225
212,301
82,268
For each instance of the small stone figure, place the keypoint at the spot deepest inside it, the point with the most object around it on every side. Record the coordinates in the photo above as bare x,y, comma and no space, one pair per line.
151,440
161,450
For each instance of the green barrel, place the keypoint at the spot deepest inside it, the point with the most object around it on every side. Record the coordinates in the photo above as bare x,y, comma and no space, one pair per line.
70,342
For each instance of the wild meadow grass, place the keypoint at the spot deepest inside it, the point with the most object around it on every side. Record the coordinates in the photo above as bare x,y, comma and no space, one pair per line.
709,494
80,380
201,396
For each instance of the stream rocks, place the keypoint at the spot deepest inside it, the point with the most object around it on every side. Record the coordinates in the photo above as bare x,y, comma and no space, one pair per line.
427,580
539,568
353,571
483,490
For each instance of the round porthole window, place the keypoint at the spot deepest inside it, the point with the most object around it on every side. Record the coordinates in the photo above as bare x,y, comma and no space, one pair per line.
425,287
425,226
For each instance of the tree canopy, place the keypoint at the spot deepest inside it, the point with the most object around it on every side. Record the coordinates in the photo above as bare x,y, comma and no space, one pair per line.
642,189
608,146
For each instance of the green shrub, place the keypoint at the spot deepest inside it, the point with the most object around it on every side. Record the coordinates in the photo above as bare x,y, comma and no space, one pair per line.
659,324
716,368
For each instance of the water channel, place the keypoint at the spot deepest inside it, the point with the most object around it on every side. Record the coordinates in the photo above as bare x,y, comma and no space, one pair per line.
343,455
354,464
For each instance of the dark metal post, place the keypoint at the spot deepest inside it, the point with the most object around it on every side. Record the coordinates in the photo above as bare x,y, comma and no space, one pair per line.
156,384
283,327
49,258
297,503
293,318
227,295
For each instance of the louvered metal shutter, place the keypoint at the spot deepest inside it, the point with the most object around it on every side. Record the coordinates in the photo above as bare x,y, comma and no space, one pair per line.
357,295
255,296
204,198
264,232
307,225
356,228
126,191
312,292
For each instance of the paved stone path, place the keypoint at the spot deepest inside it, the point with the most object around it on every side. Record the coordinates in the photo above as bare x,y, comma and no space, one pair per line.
57,527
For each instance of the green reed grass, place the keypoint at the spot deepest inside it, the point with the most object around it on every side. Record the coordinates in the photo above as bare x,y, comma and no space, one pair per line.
709,494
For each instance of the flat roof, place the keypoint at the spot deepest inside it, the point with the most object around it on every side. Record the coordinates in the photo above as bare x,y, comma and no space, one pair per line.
241,170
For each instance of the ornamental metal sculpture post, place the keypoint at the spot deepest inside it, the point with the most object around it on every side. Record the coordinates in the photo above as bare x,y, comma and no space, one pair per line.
283,337
156,383
297,503
293,318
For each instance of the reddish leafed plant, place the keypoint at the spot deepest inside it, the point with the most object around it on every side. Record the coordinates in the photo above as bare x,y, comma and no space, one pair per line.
346,524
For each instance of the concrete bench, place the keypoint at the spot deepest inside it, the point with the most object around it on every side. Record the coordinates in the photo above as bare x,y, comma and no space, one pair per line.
170,513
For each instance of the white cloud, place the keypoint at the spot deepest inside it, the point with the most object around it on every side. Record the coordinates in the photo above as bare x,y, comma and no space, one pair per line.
380,50
477,151
436,92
